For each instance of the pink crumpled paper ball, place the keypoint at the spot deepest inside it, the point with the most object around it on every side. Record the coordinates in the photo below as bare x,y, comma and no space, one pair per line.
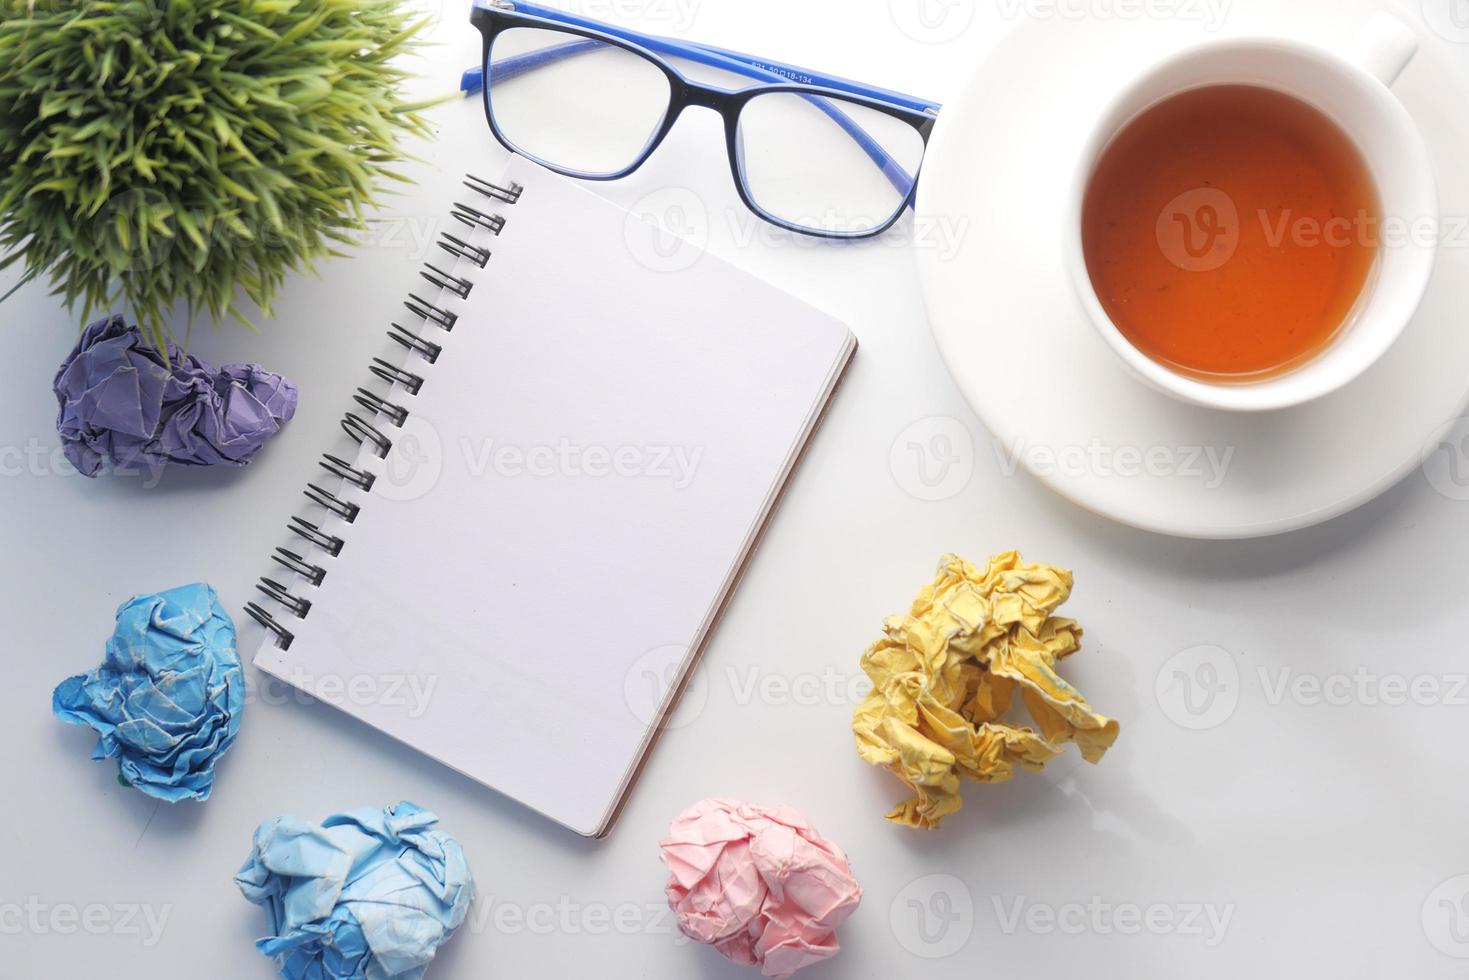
760,885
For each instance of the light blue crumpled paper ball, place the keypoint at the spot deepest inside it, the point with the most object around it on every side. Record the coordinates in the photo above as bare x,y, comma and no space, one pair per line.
167,699
368,894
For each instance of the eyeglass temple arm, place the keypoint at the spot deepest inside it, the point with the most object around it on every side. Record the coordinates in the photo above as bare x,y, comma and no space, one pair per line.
509,68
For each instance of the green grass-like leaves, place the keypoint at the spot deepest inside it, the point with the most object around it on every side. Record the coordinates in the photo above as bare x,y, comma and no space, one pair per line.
156,152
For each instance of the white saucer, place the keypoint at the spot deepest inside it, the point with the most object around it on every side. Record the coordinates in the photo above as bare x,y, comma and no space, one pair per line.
1059,402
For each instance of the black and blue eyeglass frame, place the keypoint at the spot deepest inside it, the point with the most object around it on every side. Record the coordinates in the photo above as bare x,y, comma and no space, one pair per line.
811,153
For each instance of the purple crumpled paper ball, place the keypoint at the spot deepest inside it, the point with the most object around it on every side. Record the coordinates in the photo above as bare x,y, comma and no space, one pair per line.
122,404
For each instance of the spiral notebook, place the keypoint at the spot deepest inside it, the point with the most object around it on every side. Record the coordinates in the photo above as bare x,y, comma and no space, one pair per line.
556,488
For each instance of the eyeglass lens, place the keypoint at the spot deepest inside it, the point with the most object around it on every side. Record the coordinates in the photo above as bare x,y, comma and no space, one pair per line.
824,163
575,103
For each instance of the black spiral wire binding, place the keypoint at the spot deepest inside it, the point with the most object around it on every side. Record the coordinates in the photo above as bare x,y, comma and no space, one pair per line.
396,414
426,349
422,307
311,573
362,431
283,636
297,605
365,432
457,285
337,466
393,374
509,195
475,218
313,533
344,509
459,247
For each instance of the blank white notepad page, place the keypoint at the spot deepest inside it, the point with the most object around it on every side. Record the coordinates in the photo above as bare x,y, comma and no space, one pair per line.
568,504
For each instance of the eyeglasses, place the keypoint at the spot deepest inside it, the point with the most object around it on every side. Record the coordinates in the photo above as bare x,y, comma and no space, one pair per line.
812,153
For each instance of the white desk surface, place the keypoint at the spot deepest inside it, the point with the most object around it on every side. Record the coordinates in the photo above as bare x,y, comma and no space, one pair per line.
1306,821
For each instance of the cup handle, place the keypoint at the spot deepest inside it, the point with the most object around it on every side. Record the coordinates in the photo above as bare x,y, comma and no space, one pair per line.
1384,46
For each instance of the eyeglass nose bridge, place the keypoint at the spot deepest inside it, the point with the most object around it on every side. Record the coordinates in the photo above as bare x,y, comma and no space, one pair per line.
705,96
723,101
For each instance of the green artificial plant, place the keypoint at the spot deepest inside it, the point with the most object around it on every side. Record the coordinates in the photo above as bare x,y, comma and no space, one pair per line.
156,152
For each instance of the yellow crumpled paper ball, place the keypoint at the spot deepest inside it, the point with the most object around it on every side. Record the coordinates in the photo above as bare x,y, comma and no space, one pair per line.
944,675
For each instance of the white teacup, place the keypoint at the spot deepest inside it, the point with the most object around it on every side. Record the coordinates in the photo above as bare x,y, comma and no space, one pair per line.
1354,92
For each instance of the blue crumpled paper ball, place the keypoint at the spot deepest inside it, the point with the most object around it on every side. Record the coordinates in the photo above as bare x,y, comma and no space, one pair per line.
167,699
368,894
121,403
